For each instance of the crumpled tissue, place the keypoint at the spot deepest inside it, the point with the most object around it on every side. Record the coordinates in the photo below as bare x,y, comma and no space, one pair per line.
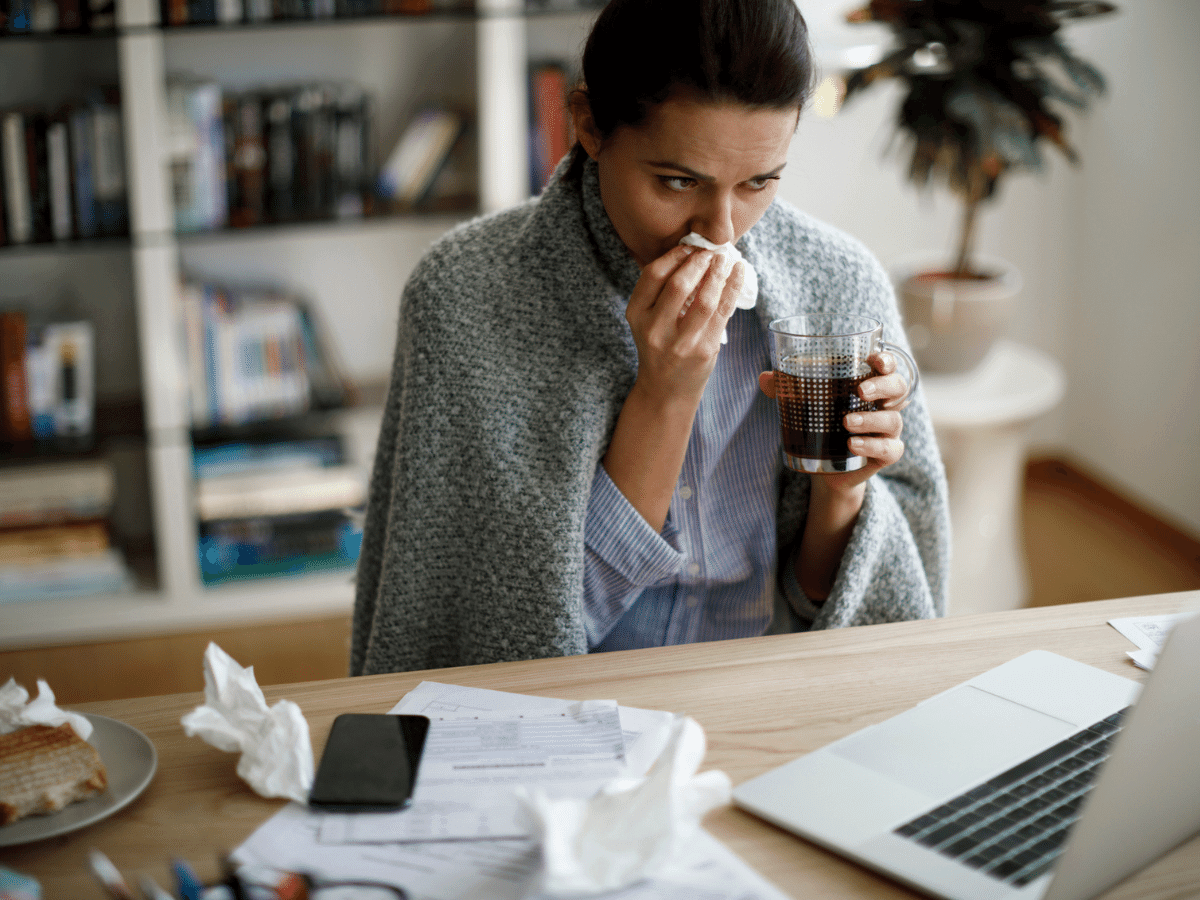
277,756
731,255
630,829
17,711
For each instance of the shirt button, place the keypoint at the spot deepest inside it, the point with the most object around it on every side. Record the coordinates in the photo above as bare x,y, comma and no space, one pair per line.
685,493
693,568
693,602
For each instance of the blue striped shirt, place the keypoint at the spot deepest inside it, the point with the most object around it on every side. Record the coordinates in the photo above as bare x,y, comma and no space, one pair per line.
707,575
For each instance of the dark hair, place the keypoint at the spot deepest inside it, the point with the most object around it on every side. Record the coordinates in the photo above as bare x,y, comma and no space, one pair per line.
753,52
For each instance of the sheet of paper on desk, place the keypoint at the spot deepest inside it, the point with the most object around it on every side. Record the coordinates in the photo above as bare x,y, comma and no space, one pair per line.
483,743
1149,633
496,869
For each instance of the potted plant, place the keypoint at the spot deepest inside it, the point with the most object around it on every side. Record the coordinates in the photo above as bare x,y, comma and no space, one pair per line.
981,77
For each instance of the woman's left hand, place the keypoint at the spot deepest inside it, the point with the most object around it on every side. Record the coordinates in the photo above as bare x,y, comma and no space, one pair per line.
875,435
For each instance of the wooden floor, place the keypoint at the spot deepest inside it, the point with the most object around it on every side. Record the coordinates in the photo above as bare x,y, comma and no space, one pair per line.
1083,542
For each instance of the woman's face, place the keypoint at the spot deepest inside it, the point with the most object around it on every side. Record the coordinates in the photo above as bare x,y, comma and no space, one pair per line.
692,165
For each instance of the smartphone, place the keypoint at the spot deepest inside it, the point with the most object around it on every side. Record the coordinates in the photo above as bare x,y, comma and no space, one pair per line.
369,763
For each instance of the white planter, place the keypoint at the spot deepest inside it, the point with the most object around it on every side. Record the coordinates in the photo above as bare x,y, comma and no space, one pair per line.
952,323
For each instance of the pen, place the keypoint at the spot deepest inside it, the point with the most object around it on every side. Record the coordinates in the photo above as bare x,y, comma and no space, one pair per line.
108,876
186,882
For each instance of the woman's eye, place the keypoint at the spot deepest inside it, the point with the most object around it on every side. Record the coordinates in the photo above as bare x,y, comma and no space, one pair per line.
677,182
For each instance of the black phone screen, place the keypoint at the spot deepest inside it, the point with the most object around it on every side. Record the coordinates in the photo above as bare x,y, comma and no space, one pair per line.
369,763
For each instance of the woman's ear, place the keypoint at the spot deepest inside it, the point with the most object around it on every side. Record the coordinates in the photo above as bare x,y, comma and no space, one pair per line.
586,131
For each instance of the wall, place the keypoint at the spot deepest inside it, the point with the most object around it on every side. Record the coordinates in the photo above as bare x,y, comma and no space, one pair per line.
1135,362
1098,244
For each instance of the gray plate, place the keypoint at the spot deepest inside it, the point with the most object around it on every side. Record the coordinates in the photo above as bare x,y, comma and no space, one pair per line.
130,759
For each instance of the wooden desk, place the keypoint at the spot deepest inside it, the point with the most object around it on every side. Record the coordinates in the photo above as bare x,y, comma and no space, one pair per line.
762,701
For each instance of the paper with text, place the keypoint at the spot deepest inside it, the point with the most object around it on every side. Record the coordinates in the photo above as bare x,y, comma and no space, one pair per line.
482,743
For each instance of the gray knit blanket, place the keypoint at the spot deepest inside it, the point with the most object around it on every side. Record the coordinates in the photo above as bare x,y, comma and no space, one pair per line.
513,357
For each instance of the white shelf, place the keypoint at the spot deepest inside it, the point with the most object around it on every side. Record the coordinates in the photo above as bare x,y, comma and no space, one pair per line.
353,271
112,617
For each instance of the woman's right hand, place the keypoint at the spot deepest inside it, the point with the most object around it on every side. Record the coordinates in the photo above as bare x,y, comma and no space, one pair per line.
677,313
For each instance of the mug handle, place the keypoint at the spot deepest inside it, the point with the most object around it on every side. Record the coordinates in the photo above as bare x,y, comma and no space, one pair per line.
914,375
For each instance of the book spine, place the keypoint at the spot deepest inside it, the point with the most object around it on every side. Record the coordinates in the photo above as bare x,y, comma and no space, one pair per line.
81,156
351,161
3,201
205,110
102,15
230,11
108,168
12,377
248,162
75,393
280,159
211,321
39,378
16,179
38,170
59,156
548,99
72,16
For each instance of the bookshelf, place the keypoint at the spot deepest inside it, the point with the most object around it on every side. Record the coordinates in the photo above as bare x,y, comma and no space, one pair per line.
353,270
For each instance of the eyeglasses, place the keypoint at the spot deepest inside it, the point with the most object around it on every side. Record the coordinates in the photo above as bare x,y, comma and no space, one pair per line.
303,886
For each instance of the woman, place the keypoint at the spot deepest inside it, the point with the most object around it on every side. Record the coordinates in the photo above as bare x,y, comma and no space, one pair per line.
571,460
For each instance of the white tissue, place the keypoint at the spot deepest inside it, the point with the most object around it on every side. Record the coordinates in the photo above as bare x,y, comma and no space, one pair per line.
731,254
277,757
630,829
16,712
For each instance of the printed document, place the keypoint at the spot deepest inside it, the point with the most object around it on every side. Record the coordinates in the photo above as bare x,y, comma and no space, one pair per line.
1149,633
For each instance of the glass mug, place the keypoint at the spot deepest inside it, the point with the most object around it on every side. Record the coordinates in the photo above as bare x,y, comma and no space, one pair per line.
819,362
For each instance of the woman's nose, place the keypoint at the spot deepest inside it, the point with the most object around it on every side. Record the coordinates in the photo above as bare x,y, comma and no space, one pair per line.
714,221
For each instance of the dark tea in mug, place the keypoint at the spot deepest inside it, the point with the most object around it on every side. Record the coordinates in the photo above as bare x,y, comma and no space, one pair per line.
819,361
813,405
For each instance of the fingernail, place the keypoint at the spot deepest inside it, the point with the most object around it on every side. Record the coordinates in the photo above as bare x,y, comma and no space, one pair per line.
856,442
854,419
868,389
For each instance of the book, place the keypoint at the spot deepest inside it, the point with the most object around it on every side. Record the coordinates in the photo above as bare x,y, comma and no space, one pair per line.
102,15
69,576
51,493
254,355
58,155
79,123
37,170
39,543
72,15
413,165
281,158
20,16
197,155
276,454
3,203
18,202
69,353
287,491
108,162
246,159
549,123
313,134
14,405
281,545
352,154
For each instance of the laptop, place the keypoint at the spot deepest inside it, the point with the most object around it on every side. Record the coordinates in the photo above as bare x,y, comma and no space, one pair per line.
1040,778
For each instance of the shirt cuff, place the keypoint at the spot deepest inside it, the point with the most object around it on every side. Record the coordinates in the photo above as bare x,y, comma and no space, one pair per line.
794,594
618,535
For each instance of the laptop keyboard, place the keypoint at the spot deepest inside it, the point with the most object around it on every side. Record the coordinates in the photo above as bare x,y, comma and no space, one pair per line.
1014,826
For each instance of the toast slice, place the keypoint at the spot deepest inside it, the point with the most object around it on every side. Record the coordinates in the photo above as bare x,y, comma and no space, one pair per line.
42,769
